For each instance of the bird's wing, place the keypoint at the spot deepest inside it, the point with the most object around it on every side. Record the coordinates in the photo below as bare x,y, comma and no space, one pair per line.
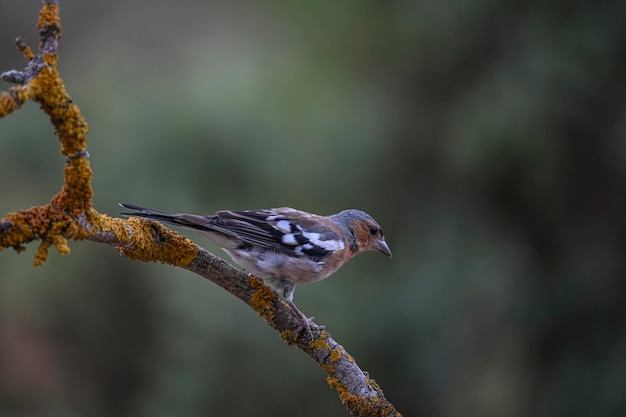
285,230
248,226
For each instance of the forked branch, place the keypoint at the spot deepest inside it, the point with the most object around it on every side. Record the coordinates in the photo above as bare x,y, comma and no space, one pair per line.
70,215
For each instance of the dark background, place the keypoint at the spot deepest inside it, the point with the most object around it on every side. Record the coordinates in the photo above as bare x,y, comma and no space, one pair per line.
487,137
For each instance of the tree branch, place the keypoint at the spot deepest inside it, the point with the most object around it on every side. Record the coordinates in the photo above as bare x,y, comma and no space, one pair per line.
70,216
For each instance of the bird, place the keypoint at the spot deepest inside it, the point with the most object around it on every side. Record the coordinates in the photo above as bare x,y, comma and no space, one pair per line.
282,246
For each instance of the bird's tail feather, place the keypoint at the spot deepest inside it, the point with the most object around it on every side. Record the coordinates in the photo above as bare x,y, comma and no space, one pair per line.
177,219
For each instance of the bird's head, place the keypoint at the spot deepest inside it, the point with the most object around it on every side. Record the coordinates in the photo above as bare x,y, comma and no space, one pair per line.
368,235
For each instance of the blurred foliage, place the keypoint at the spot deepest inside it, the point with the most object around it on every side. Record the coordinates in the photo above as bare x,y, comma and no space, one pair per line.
487,137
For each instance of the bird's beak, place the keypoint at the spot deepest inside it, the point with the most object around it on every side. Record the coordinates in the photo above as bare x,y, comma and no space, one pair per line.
382,247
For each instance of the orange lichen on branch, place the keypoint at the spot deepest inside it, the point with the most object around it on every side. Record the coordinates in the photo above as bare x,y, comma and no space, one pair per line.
289,336
147,240
11,101
49,17
70,215
262,299
362,405
21,45
54,224
76,192
57,241
320,343
336,354
23,227
69,124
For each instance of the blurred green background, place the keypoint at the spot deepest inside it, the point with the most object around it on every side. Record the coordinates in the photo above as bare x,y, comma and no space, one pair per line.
487,137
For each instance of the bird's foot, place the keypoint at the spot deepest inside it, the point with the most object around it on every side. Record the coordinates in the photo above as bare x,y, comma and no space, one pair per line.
307,323
319,326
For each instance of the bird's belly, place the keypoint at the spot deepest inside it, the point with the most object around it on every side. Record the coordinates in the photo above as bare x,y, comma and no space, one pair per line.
270,265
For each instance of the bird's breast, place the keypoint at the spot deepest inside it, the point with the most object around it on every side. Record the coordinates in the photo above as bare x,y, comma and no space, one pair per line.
268,264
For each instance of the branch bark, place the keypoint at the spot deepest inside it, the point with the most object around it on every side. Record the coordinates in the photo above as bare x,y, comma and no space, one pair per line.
70,215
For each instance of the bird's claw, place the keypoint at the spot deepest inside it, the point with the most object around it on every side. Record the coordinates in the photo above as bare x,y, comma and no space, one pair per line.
307,327
307,323
319,326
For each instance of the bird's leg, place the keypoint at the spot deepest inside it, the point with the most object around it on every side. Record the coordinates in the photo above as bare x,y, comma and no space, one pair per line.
306,322
285,289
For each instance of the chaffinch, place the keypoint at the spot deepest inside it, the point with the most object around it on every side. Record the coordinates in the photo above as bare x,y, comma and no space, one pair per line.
282,246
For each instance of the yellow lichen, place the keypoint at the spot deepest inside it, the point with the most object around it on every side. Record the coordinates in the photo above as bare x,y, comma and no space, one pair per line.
335,355
20,232
42,253
28,53
289,336
8,104
328,368
49,16
362,405
60,243
262,298
351,401
320,344
151,241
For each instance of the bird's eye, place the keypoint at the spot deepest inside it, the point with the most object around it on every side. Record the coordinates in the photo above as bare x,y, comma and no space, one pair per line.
373,230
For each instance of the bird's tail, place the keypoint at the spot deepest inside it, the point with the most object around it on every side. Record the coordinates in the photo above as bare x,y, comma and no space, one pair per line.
178,219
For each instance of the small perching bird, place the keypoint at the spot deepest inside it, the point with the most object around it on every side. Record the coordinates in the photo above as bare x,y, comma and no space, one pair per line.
282,246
